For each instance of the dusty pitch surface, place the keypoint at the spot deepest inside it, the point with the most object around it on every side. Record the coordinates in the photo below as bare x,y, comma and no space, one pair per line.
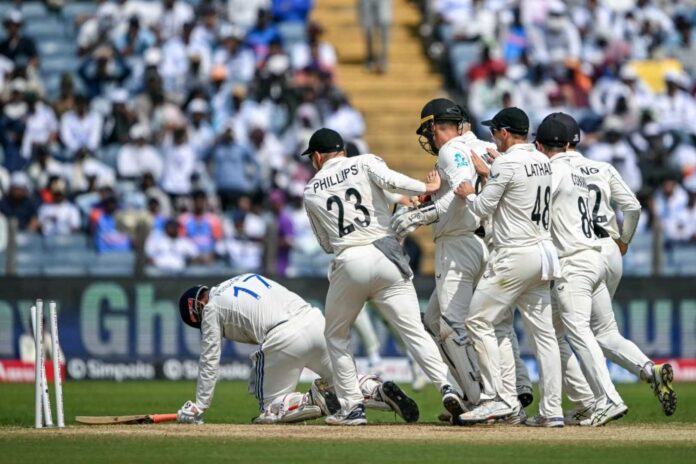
614,434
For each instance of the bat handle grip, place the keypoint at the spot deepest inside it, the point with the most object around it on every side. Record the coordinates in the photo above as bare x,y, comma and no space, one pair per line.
159,418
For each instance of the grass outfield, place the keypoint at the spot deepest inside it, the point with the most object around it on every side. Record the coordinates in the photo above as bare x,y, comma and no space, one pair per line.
644,435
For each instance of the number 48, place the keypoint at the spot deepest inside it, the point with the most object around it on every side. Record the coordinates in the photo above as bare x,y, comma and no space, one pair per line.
537,213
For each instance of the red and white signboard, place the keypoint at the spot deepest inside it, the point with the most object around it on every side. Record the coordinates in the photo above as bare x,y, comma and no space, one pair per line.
16,371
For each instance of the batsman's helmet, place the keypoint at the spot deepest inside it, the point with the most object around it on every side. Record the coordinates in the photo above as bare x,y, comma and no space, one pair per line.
190,307
438,110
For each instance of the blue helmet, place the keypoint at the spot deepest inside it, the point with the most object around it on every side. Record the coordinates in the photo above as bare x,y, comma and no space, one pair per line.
189,306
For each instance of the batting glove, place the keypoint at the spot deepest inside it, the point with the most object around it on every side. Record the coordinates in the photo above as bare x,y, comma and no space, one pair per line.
190,413
405,223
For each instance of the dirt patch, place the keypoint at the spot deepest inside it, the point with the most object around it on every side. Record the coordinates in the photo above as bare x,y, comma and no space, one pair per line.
644,433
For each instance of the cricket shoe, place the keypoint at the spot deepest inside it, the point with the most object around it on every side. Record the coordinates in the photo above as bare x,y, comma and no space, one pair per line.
518,417
661,383
541,421
486,411
399,401
606,414
525,396
452,402
321,395
578,416
354,416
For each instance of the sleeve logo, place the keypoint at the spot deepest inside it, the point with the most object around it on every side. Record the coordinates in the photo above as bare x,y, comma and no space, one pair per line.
460,161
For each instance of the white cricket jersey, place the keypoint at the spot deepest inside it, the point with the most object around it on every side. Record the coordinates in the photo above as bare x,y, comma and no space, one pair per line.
242,309
455,166
517,197
346,202
571,211
610,189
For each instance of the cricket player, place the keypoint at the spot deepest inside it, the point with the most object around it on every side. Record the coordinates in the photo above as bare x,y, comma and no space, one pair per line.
254,309
582,269
349,213
609,190
517,198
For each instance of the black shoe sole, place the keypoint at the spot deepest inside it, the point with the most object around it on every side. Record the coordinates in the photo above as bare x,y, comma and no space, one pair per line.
525,399
400,402
454,408
669,399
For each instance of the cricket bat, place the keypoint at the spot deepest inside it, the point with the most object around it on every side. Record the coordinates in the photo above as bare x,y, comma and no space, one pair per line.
135,419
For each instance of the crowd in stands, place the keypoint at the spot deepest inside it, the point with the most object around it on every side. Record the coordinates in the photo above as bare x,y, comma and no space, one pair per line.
175,127
625,70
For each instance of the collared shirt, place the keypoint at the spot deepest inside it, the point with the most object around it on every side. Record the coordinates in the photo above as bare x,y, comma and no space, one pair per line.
346,204
517,197
243,309
455,166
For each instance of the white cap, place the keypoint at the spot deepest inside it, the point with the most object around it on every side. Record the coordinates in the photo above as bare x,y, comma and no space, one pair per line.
198,105
119,96
139,131
277,64
230,31
107,10
627,73
557,7
19,179
18,85
153,56
14,16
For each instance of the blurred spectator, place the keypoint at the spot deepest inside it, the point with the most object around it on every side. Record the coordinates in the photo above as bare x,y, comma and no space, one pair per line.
158,220
235,170
179,164
200,131
262,35
344,118
4,181
237,58
202,227
166,250
314,53
148,185
99,30
676,109
614,149
669,202
20,204
139,157
291,10
60,217
81,127
43,166
41,125
175,13
284,232
118,123
268,151
681,226
557,39
85,170
66,99
107,237
244,13
375,20
486,95
244,252
17,47
12,122
104,71
135,40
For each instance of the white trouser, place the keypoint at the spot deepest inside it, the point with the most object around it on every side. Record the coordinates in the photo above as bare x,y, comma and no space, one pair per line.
616,348
513,278
363,273
366,331
581,286
286,351
459,263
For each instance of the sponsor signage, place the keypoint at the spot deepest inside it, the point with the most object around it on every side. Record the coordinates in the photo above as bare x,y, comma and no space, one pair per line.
124,329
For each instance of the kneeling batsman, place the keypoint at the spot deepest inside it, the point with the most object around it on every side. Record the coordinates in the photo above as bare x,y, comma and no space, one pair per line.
251,308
